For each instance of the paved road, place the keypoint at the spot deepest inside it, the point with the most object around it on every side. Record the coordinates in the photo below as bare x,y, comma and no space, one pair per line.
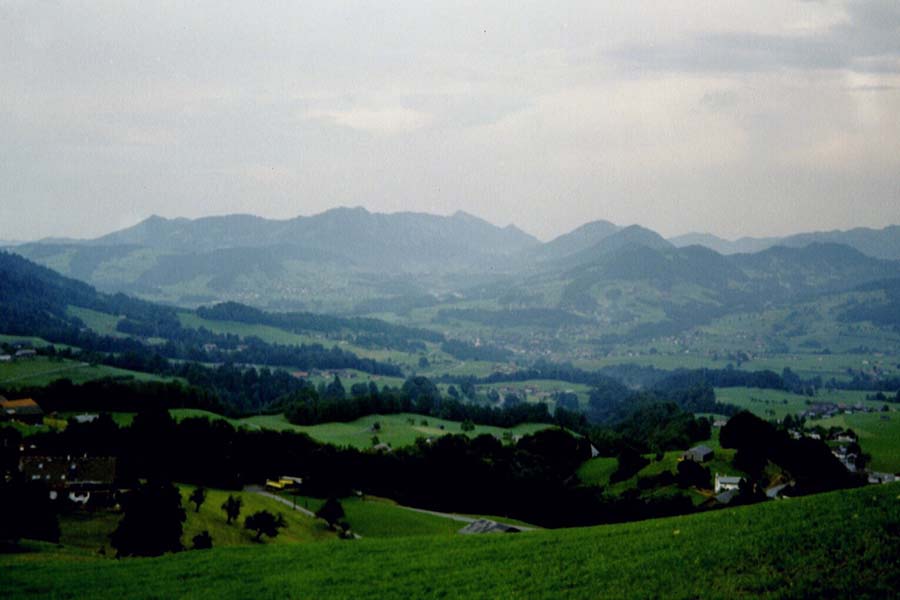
255,489
461,518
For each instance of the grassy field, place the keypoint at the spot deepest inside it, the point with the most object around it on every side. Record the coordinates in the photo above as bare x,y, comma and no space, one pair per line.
34,342
275,335
41,370
102,323
397,430
877,436
597,471
842,544
87,533
373,517
775,404
805,365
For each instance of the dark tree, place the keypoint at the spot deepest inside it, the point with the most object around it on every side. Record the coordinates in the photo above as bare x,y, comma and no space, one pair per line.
264,522
746,430
630,462
691,473
232,508
331,512
198,497
467,425
335,390
153,521
202,541
27,513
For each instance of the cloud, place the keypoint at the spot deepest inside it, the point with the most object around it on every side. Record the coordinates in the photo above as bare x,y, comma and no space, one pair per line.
380,121
867,40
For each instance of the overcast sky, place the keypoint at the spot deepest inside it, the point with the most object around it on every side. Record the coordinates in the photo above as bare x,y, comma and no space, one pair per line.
749,117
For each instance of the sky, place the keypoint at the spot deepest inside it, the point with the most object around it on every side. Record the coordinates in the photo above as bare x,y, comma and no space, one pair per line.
754,117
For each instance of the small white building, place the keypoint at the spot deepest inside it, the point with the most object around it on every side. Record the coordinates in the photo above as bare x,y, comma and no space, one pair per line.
723,483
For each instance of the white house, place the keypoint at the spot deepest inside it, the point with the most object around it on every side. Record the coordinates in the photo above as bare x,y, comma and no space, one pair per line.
726,482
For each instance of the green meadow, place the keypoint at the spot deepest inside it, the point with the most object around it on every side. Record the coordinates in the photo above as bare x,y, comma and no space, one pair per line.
777,404
85,533
42,370
879,435
100,322
842,544
276,335
396,430
372,517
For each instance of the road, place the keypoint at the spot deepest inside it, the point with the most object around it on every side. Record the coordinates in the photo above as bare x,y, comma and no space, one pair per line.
462,518
255,489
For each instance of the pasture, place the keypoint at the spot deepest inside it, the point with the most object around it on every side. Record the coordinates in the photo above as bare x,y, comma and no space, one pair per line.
777,404
276,335
42,370
396,430
86,533
879,435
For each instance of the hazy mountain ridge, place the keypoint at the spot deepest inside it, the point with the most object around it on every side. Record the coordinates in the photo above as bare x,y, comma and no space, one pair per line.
879,243
349,257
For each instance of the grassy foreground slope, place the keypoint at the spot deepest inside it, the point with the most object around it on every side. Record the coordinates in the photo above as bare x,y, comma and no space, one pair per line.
842,544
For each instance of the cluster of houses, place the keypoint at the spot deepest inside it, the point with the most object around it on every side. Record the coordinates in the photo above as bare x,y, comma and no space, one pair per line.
725,487
24,410
22,353
328,374
824,410
84,480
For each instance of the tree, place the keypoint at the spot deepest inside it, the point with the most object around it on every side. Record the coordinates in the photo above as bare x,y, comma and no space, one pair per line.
232,508
264,522
331,512
335,390
153,521
27,513
691,473
198,497
467,425
202,541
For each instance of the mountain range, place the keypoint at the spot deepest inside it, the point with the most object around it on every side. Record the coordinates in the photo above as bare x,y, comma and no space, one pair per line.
350,260
879,243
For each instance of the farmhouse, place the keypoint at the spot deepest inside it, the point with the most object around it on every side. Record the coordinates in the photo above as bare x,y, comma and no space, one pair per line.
82,478
25,410
698,454
725,483
26,353
876,477
5,358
